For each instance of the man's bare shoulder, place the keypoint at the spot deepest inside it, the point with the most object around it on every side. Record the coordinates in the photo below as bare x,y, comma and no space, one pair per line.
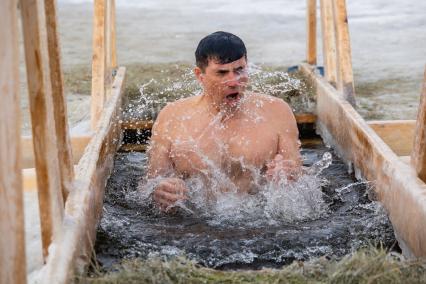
273,105
175,110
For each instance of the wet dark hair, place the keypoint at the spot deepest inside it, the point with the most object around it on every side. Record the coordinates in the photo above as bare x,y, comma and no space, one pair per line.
221,46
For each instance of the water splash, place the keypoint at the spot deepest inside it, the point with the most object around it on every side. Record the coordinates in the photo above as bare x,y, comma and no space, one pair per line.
155,93
344,221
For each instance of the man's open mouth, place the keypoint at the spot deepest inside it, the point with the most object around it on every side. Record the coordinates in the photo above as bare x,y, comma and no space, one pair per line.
233,96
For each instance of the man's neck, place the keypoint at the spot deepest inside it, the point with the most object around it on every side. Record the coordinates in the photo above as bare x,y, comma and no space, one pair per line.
216,110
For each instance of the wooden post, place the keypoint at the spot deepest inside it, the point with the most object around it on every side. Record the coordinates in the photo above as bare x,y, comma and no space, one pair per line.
329,41
98,62
311,30
108,49
59,101
113,37
418,156
345,82
12,241
42,119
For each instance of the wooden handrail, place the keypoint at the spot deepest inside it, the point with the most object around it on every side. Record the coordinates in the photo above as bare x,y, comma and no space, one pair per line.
51,201
311,30
335,45
329,41
65,156
345,80
12,241
104,56
418,155
113,37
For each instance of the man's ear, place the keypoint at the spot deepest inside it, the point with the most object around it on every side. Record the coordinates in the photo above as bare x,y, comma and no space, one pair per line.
198,74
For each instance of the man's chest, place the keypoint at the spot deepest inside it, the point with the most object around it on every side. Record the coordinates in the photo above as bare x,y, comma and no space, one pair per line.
229,149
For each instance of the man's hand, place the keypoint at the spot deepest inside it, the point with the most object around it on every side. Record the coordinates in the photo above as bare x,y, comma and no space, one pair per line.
278,167
168,192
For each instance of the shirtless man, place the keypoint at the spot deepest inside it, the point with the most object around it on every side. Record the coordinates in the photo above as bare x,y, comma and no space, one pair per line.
224,129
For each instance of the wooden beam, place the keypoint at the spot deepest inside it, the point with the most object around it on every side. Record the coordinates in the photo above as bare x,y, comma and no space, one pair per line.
78,145
329,51
418,156
98,96
397,186
311,31
42,119
12,241
113,36
397,134
345,80
59,101
108,49
84,206
303,118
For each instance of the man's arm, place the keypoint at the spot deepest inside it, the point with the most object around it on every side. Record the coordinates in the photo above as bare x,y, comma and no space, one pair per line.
159,162
288,160
170,189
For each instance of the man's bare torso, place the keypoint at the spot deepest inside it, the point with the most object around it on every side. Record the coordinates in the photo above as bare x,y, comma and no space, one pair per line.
237,146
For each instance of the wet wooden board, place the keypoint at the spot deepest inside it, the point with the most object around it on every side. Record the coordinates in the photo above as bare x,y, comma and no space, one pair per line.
402,193
71,252
78,144
397,134
12,242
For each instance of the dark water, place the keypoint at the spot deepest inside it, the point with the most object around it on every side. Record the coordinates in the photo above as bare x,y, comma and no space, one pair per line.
131,228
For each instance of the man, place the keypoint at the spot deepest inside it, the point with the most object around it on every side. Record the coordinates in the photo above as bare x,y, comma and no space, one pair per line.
224,130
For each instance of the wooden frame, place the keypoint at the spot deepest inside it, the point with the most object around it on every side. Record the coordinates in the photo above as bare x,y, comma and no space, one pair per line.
396,183
84,206
397,134
12,241
104,56
328,31
345,80
311,32
418,156
39,75
65,158
78,144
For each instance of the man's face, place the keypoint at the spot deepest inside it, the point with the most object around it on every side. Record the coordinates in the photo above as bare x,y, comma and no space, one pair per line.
224,83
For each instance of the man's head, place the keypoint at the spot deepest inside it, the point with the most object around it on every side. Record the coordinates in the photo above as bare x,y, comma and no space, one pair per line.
221,47
221,60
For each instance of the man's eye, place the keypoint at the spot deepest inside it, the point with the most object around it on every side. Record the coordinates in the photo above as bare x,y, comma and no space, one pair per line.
241,70
222,72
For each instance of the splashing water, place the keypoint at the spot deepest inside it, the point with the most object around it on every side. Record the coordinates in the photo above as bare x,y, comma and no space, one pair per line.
285,201
181,83
325,214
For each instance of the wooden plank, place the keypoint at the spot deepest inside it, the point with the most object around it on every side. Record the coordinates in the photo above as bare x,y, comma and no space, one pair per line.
84,206
311,30
108,49
397,186
43,128
98,63
78,144
345,80
59,101
329,41
305,118
12,241
418,156
113,36
397,134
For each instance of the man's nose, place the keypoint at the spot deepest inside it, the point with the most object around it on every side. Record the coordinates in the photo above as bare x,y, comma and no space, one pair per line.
233,79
